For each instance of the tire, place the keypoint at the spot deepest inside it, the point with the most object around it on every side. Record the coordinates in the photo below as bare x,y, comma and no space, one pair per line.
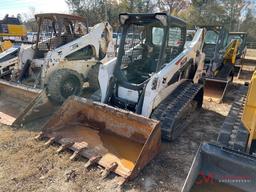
62,84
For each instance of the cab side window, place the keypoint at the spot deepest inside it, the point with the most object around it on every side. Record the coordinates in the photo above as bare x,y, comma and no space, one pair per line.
82,54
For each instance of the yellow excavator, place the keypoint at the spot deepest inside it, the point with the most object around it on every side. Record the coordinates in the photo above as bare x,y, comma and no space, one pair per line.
230,163
11,30
10,27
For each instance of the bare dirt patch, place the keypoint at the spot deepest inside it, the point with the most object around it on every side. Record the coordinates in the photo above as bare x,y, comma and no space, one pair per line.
28,165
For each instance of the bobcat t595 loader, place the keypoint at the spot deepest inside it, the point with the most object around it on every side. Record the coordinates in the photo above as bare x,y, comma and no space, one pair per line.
153,77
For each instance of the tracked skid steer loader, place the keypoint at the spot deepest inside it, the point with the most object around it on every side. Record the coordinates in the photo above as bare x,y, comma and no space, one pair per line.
153,77
220,58
153,74
230,164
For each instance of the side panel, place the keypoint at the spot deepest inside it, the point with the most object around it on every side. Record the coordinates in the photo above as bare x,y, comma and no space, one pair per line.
105,73
155,94
249,114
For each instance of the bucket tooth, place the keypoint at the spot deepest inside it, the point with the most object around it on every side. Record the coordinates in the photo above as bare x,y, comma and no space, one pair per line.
107,171
64,146
77,153
121,181
104,134
39,136
93,160
51,141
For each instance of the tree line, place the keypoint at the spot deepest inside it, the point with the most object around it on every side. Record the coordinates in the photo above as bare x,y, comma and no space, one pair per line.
235,15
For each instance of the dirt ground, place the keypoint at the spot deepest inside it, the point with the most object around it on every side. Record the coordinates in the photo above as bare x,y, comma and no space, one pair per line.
251,53
28,165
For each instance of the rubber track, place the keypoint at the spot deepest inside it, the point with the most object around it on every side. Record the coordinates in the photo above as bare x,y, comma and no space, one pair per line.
169,111
233,134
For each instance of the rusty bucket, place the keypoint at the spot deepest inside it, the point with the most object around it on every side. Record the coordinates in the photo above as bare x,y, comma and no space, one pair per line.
215,89
20,104
121,142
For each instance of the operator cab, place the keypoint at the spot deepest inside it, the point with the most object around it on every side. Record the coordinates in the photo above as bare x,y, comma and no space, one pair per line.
148,42
55,30
241,37
215,42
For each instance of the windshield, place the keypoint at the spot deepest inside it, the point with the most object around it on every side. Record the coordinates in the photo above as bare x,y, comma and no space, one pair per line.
235,37
211,37
140,50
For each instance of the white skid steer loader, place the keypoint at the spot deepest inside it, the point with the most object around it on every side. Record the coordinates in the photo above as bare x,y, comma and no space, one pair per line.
153,74
153,77
60,65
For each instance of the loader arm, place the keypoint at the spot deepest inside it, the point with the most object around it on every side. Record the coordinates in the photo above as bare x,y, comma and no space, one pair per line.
93,38
231,51
57,58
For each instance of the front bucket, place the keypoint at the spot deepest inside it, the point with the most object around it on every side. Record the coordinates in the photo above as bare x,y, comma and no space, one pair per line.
214,89
120,141
20,104
218,169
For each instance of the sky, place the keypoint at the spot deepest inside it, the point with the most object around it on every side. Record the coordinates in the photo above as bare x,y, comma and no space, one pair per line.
13,7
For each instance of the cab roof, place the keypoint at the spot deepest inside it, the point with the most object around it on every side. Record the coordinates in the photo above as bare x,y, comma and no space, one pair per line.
149,17
55,16
238,33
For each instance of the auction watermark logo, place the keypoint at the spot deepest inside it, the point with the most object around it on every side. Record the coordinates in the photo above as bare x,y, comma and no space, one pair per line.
211,178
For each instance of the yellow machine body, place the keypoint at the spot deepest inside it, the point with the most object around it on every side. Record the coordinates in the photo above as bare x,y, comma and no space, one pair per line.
249,114
15,31
231,51
215,87
5,45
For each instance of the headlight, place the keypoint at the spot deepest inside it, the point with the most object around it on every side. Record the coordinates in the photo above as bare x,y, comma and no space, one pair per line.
162,19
